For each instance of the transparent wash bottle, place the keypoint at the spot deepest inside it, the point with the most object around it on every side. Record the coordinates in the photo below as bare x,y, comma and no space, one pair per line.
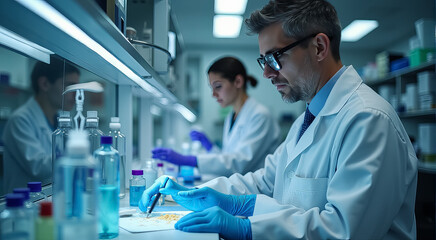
75,191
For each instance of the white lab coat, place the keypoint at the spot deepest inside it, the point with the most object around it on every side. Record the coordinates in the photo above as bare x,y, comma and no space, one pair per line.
27,150
352,175
254,135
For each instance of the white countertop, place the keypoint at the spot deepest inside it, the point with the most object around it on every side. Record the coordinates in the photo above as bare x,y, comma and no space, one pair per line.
164,235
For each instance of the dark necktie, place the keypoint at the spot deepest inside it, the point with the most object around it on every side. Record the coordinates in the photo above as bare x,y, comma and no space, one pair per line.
308,119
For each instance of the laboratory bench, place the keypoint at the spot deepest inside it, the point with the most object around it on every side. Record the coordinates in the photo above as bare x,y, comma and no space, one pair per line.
165,234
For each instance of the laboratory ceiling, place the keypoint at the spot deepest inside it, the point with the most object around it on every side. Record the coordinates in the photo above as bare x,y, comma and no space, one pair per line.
396,21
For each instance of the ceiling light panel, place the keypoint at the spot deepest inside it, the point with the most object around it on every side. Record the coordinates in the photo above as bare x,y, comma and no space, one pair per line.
227,26
230,6
358,29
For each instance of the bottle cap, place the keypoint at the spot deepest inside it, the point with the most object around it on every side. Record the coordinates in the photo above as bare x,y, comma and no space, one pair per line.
34,186
24,192
45,209
64,114
115,123
137,172
106,140
78,142
91,116
14,200
160,164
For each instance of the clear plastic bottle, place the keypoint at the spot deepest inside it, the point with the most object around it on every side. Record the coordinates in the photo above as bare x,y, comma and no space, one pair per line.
36,191
160,172
91,125
44,224
59,137
137,187
109,189
14,220
119,143
150,173
75,191
28,204
187,172
171,143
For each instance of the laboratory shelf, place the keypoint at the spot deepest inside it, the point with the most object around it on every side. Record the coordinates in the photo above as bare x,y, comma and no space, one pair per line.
404,73
88,16
427,167
430,114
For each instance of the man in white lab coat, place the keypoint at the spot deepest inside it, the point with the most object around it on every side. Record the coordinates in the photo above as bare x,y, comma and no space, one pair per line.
28,132
346,170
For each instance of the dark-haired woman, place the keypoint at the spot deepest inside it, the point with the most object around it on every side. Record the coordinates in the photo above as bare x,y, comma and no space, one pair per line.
250,131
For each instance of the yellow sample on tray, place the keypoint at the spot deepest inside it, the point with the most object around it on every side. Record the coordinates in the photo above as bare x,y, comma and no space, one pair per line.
169,217
158,221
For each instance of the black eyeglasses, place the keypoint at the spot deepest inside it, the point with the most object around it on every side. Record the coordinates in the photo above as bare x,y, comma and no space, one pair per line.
272,59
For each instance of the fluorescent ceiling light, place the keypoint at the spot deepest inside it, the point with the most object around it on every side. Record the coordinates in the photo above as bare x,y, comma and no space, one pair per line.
226,26
357,29
230,6
58,20
26,47
186,113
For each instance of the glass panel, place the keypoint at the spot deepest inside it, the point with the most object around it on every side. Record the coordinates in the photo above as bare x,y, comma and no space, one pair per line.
30,98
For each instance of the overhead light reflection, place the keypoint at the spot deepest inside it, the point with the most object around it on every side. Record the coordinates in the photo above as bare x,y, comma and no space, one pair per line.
50,14
20,44
186,113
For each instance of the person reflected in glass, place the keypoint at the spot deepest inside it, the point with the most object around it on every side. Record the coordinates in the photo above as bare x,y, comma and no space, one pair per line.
28,132
250,131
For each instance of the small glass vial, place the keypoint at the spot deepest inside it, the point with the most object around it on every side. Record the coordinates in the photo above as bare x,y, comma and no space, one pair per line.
44,224
14,220
137,187
36,191
27,203
160,172
150,173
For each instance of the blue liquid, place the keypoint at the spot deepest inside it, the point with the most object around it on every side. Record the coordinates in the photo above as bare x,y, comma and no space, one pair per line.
136,194
109,207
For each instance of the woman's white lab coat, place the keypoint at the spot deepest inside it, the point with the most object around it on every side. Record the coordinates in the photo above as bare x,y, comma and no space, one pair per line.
27,152
353,174
254,135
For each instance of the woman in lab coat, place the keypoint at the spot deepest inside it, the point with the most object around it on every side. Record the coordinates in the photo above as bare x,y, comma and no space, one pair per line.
250,131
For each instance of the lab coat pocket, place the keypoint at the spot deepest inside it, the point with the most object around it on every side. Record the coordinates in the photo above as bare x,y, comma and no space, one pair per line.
307,193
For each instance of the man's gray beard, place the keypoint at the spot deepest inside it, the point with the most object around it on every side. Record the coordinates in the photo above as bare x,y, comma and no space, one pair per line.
288,99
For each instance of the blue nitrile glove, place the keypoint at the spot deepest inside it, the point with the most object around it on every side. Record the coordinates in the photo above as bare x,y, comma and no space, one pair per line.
200,199
169,155
149,194
216,220
201,137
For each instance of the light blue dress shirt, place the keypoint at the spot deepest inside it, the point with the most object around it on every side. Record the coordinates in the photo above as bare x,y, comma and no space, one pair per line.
320,98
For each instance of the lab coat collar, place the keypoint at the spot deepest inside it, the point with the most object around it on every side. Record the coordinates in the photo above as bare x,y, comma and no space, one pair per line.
240,119
341,92
346,85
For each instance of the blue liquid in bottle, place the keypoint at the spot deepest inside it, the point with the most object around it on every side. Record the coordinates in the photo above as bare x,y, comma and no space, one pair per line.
136,194
137,187
108,197
109,162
